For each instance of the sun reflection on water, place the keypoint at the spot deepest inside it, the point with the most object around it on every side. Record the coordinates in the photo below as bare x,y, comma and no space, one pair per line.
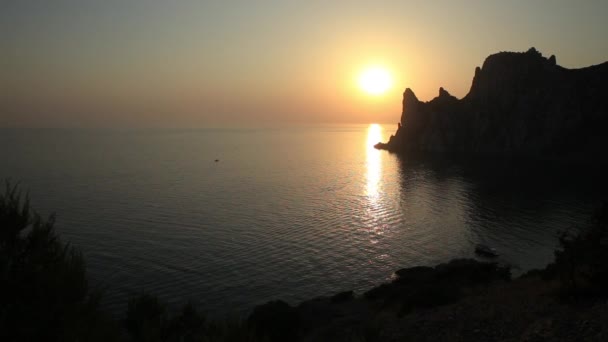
374,162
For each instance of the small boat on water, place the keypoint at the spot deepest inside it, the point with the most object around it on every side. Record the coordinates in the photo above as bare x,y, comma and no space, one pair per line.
485,251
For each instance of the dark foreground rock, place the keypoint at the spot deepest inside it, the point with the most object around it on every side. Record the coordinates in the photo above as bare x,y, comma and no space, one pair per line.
343,317
466,300
519,104
463,300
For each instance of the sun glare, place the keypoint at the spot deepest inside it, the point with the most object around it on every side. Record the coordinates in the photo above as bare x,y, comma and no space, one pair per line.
375,80
374,162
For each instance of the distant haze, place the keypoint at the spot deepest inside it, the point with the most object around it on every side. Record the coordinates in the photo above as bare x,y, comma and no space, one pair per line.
153,63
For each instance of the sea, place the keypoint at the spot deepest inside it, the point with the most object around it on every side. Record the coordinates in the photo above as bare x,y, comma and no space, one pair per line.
229,218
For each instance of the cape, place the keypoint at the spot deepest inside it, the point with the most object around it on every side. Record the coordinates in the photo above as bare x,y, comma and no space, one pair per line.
519,104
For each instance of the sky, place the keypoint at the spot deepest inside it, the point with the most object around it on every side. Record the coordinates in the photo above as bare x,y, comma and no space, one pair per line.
187,63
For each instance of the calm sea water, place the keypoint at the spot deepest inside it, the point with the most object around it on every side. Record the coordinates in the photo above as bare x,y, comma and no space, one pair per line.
287,213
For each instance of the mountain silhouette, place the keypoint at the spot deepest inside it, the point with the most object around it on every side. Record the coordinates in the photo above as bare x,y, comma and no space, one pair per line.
519,104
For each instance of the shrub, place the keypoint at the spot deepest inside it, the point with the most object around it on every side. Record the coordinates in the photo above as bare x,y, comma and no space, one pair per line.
275,320
44,293
149,321
342,297
45,296
582,262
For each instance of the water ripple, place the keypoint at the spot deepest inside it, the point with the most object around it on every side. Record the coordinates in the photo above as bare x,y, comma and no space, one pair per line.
292,213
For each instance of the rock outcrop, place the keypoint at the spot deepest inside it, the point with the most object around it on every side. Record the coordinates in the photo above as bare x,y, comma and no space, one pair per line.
519,104
345,317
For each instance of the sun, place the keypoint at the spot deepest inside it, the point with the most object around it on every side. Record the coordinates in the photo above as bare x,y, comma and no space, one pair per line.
375,80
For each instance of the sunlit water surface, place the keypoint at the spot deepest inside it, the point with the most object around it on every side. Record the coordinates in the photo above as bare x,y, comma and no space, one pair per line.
286,213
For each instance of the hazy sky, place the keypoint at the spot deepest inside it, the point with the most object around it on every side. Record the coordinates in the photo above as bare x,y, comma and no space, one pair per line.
151,63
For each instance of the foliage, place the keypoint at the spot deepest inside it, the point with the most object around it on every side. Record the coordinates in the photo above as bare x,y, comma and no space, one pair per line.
426,287
44,293
148,320
45,296
582,262
275,320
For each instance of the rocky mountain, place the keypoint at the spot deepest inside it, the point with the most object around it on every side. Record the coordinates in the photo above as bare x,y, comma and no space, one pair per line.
519,104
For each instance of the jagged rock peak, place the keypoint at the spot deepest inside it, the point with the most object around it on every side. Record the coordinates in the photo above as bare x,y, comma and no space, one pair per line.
533,52
410,104
516,58
553,60
520,104
409,95
510,68
443,93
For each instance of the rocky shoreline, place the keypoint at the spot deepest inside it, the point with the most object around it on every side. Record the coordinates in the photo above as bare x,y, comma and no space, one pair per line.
462,300
346,317
46,296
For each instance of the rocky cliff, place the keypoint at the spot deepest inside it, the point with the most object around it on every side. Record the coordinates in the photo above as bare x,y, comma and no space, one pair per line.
519,104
